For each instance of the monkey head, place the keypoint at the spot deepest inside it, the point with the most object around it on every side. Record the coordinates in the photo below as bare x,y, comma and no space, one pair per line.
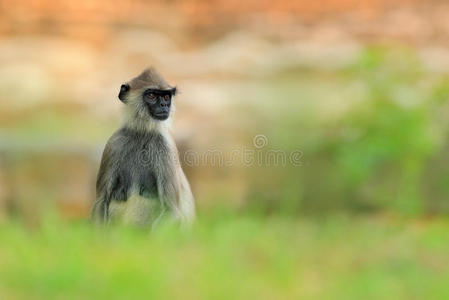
148,97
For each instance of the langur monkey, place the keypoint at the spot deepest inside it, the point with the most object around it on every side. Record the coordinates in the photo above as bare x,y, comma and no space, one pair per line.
140,180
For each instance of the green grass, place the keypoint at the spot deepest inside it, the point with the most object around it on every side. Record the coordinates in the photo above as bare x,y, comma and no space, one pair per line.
229,258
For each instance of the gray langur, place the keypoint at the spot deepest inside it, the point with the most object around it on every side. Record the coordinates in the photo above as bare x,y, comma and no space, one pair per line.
140,178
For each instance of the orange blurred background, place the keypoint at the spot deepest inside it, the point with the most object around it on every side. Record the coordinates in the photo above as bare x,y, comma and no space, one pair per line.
62,63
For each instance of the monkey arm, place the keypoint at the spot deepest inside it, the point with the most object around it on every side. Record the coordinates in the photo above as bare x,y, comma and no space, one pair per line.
103,186
187,203
175,192
100,207
168,189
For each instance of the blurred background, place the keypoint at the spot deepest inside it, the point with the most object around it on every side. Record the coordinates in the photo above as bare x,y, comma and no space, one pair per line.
360,89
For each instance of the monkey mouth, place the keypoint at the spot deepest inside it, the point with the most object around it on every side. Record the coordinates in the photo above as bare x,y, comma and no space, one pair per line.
161,116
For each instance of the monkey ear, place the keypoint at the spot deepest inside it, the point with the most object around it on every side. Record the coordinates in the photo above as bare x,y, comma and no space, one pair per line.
123,91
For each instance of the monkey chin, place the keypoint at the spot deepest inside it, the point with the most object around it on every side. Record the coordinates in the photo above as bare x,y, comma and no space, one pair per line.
160,117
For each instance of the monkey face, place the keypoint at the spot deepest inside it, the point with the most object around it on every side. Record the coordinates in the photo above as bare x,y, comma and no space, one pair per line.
158,102
148,98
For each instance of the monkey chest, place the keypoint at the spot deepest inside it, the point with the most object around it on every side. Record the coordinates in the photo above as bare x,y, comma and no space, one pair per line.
138,164
137,172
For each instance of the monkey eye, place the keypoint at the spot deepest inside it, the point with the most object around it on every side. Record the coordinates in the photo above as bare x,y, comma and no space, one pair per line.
167,97
152,96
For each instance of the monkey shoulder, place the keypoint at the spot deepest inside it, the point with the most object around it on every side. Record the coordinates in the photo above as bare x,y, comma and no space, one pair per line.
130,143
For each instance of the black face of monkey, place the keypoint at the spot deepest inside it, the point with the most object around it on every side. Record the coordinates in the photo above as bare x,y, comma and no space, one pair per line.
158,102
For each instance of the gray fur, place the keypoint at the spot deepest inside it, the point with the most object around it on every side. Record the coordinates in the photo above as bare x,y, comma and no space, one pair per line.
149,78
140,178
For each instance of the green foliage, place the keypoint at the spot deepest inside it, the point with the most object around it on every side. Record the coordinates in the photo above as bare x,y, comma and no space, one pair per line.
375,154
